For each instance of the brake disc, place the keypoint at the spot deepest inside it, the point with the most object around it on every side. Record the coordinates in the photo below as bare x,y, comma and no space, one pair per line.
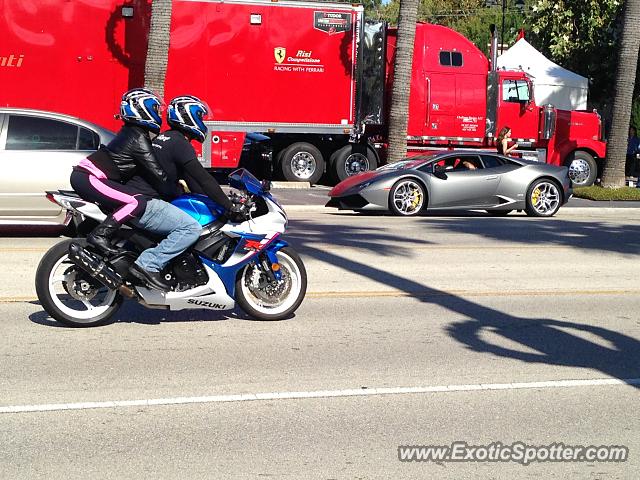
79,285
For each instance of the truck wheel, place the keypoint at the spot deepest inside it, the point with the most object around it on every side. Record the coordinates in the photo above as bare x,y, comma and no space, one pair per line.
302,162
583,169
351,160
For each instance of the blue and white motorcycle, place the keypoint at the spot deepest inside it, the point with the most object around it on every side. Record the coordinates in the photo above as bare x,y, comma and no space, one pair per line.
246,262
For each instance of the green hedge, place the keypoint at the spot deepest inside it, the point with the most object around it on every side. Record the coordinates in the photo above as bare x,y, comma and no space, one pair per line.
599,193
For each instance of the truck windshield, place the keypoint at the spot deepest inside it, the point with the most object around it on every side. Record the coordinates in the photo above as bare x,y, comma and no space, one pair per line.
515,91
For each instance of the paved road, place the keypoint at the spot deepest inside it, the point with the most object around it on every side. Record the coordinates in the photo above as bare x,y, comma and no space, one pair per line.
489,320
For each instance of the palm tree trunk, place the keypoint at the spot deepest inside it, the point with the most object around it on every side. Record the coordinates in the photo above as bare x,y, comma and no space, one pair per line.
155,68
399,112
613,175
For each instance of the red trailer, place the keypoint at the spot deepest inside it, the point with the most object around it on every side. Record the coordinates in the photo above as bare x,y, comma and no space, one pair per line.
314,77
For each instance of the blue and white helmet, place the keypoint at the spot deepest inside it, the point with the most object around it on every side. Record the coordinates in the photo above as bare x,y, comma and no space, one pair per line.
142,107
187,114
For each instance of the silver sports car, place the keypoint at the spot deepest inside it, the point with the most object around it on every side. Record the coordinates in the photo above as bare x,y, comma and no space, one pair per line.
457,180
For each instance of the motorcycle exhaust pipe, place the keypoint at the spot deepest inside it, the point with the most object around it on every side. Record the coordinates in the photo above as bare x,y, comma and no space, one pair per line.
98,269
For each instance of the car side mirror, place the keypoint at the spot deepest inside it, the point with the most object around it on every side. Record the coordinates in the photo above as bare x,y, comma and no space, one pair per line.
440,171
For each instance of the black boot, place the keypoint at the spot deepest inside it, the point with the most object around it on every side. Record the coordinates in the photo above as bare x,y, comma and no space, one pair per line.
101,236
153,279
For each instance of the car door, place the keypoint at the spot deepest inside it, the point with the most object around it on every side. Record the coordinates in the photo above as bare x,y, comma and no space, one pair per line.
37,154
461,187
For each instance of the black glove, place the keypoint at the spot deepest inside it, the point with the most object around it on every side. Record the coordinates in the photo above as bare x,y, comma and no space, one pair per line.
236,214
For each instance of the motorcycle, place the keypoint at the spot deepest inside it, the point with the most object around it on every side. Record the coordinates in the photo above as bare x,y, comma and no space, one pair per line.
246,262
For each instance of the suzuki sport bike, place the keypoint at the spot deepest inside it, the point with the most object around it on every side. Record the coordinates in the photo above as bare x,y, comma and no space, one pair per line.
247,262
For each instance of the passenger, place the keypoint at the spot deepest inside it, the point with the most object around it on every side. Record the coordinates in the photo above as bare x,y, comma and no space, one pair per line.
502,142
469,165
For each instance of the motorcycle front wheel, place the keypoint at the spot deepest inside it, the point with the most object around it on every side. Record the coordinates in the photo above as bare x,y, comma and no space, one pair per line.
267,300
69,294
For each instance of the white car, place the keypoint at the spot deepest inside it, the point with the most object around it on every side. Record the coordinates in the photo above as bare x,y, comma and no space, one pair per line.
37,151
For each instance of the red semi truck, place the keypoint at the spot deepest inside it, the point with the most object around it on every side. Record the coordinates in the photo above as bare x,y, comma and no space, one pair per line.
314,77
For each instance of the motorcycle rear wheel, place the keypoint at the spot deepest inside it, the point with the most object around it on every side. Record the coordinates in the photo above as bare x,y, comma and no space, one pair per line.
69,294
273,302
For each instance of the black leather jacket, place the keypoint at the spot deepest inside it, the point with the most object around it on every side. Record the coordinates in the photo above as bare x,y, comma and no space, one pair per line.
129,151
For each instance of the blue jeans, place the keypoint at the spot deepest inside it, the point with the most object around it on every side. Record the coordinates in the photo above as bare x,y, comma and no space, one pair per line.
181,229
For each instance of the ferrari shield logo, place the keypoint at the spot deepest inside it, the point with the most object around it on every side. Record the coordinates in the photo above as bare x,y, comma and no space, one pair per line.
280,53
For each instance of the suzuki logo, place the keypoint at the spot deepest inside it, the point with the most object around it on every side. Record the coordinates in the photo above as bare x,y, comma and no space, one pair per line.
280,53
202,303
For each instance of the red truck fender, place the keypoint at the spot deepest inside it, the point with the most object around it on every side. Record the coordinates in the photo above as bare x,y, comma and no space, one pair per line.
583,152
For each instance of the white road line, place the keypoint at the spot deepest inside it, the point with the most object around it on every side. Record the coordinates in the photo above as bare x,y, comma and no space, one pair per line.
354,392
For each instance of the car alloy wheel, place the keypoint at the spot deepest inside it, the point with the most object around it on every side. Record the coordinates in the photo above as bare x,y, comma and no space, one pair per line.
544,198
407,197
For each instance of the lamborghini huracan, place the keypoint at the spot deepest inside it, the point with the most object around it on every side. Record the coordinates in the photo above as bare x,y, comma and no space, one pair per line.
457,180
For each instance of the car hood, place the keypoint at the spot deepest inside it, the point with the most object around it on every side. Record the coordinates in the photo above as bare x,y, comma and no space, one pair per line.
354,181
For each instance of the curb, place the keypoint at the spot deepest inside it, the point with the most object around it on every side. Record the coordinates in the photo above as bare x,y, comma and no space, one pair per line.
290,185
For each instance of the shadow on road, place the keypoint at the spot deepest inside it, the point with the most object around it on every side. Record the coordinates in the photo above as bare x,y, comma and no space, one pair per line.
595,235
548,341
132,312
553,342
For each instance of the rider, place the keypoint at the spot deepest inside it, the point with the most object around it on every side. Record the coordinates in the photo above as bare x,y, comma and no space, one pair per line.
176,155
102,176
185,116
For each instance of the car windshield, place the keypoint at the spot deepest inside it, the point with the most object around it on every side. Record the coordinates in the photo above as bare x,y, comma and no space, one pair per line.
408,163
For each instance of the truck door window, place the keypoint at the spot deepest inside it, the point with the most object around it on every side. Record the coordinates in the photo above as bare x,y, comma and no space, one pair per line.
451,59
515,91
34,133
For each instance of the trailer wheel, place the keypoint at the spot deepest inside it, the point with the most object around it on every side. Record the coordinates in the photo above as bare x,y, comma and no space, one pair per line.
352,159
302,162
583,169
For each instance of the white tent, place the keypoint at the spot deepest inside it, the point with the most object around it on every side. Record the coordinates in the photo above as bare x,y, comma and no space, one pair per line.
553,84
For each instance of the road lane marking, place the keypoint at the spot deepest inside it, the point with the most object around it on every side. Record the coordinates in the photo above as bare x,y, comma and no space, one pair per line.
428,293
353,392
17,299
25,249
467,293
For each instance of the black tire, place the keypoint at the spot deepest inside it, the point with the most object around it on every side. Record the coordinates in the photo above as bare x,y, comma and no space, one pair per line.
302,162
351,160
285,255
43,276
537,206
583,169
499,213
407,188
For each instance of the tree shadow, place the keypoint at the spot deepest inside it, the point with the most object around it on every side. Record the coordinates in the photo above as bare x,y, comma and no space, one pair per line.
596,235
543,340
337,235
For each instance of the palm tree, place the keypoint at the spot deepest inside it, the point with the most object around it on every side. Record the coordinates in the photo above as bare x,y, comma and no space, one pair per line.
155,68
613,175
399,112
